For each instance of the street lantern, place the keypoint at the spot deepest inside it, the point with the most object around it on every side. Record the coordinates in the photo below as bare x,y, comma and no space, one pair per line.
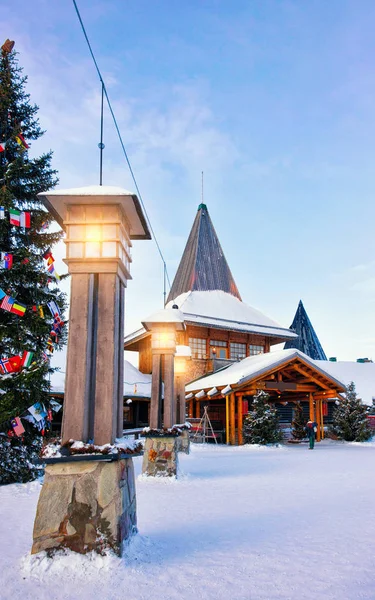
163,325
183,354
100,222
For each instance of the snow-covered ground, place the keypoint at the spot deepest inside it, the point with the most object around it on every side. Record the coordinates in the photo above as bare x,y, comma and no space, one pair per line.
240,523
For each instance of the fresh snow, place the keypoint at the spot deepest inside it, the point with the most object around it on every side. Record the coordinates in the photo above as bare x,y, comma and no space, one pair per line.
219,309
253,366
245,523
135,382
363,375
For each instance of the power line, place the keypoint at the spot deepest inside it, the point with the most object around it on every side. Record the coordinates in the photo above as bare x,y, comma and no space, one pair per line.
123,147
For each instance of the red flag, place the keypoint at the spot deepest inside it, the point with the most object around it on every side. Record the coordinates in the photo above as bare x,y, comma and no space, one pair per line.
18,428
16,363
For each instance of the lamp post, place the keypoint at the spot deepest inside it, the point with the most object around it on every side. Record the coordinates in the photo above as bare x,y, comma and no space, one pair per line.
163,326
91,504
100,222
183,354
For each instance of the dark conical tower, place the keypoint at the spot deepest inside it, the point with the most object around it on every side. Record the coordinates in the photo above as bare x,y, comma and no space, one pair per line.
307,340
203,266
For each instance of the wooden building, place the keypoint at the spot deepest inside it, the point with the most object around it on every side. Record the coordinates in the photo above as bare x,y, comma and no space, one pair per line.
288,376
220,328
229,340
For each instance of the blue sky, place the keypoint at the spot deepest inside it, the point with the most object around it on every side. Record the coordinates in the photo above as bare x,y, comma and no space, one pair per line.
272,99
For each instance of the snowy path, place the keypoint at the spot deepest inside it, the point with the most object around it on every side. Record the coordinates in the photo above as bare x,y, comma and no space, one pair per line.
242,523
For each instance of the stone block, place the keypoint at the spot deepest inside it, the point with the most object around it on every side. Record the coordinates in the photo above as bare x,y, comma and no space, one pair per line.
160,457
87,509
183,442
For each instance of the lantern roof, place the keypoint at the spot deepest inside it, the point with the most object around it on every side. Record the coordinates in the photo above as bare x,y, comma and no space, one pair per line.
56,202
167,316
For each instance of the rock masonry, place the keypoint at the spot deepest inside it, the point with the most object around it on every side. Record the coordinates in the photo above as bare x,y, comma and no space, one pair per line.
84,506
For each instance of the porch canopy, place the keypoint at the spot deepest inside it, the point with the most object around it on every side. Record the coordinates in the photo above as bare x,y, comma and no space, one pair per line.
286,375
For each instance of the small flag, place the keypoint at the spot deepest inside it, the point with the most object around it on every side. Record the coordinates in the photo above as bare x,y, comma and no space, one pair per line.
27,358
5,366
34,308
14,216
50,260
38,411
6,260
45,357
25,261
54,309
44,226
47,254
25,219
8,46
55,405
7,303
2,146
16,363
41,311
17,426
18,308
2,212
50,345
21,141
2,294
49,415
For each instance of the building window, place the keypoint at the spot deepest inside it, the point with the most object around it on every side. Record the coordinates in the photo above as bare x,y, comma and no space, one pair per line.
198,348
255,349
237,351
218,349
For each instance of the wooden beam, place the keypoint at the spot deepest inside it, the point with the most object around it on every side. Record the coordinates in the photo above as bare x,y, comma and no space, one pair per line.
318,420
239,420
311,407
310,377
227,419
232,419
197,410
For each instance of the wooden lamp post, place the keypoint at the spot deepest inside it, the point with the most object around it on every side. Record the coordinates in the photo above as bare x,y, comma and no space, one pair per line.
183,354
89,504
163,326
100,222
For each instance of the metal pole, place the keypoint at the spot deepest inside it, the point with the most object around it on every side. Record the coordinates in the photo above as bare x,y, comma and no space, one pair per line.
101,145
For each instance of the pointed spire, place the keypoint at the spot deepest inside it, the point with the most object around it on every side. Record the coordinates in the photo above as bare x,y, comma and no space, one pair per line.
203,266
307,340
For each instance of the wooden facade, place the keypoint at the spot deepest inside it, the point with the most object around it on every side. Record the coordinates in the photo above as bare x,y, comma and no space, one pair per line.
295,381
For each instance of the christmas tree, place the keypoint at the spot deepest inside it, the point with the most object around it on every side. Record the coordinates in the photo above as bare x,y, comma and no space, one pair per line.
350,421
28,280
298,423
261,425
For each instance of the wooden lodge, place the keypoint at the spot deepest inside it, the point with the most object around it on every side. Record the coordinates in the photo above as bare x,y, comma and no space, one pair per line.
229,340
288,376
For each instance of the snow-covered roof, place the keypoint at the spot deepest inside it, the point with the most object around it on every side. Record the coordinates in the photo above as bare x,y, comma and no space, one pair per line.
363,375
254,366
135,382
56,202
219,309
223,311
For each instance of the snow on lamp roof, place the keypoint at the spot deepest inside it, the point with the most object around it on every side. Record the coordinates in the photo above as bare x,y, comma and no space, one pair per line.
56,202
168,315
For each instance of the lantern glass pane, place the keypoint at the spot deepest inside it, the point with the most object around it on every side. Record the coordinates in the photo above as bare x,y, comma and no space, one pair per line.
75,250
75,232
92,249
109,250
76,213
109,232
111,213
93,233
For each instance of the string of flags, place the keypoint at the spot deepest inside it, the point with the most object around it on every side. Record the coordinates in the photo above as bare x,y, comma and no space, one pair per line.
37,414
19,139
19,218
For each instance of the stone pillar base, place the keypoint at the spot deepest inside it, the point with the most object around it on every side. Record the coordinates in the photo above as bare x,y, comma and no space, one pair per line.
183,442
84,506
160,456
